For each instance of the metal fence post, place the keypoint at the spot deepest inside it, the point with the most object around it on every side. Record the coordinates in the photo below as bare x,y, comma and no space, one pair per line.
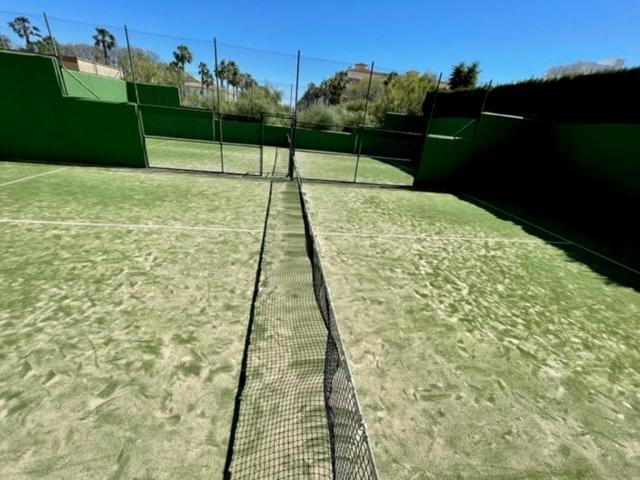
482,107
433,107
364,122
261,143
294,122
133,72
215,59
137,95
53,40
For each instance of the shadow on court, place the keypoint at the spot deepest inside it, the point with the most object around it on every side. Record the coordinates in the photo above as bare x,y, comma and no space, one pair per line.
602,239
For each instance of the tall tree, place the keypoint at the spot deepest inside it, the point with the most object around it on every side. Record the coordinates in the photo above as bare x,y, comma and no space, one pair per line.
104,40
206,79
472,74
246,81
23,28
181,56
457,76
221,71
336,87
233,77
464,76
44,45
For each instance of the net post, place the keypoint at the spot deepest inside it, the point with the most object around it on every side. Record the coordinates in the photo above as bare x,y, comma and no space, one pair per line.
364,122
294,122
482,107
53,40
217,73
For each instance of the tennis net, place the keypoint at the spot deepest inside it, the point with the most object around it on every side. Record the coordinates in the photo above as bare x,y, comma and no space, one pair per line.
351,454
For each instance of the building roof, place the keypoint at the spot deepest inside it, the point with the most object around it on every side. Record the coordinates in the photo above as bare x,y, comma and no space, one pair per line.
361,70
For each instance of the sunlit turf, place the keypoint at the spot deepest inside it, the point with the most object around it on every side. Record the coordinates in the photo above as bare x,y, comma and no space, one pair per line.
121,344
200,155
12,172
331,166
479,350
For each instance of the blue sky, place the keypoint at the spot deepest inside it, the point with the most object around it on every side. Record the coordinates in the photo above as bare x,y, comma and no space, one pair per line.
512,39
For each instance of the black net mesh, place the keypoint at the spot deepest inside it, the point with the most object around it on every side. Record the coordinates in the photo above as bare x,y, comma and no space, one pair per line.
350,450
297,414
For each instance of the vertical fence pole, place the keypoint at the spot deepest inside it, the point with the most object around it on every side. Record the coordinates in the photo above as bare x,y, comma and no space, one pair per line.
215,59
291,99
364,122
482,107
294,122
53,40
261,143
433,107
133,73
135,89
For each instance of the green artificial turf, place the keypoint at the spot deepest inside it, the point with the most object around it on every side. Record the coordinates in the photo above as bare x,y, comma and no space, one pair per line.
11,172
124,307
330,166
479,350
197,155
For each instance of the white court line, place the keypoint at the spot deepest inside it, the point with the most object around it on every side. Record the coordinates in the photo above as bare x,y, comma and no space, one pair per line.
604,257
146,226
426,237
438,237
213,228
32,176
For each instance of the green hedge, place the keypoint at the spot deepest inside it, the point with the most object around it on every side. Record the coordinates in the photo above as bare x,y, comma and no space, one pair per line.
602,97
39,123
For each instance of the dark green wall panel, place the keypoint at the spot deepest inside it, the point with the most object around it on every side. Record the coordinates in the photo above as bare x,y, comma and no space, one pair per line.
39,123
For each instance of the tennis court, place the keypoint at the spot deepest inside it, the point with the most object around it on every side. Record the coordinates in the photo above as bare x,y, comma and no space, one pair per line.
124,311
209,156
478,350
342,167
155,326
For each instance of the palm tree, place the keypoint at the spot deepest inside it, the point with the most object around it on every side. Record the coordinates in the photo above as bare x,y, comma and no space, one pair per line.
205,77
44,45
182,55
464,76
233,76
221,71
23,28
105,40
472,73
246,81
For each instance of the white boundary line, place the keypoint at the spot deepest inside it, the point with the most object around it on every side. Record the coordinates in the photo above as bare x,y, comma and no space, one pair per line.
593,252
149,226
32,176
214,228
437,237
